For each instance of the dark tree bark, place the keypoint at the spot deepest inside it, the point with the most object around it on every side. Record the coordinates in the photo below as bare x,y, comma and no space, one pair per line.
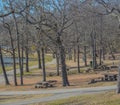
74,54
78,58
57,60
14,67
63,64
27,38
3,68
103,53
118,84
39,59
100,57
93,45
22,59
85,56
69,54
27,59
101,40
22,54
94,52
43,64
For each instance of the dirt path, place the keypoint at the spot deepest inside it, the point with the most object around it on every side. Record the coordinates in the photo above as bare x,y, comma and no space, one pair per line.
57,94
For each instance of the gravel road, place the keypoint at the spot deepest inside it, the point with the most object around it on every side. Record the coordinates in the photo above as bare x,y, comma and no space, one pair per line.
57,94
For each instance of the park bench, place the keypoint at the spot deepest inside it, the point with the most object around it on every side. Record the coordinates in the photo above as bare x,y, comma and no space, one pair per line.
110,77
94,80
103,67
106,77
114,67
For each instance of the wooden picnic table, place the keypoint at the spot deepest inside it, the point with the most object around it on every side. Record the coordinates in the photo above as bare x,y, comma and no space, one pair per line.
110,77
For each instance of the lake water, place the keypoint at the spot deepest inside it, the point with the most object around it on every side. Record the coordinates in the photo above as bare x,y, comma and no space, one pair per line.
8,61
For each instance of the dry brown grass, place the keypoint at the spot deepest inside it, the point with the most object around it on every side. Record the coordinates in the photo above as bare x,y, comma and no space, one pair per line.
76,80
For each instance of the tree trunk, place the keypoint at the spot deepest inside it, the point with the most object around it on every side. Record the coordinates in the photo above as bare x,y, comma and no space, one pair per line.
63,62
94,53
22,60
63,66
43,64
14,67
18,41
93,45
103,53
101,40
69,54
18,45
27,38
13,51
14,57
113,56
118,85
78,58
85,56
27,59
57,60
3,68
100,57
74,55
39,59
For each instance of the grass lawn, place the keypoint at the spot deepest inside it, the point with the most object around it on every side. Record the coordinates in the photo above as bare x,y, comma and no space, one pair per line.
107,98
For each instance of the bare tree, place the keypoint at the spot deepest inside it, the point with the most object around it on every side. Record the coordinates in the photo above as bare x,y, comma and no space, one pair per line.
3,68
8,27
